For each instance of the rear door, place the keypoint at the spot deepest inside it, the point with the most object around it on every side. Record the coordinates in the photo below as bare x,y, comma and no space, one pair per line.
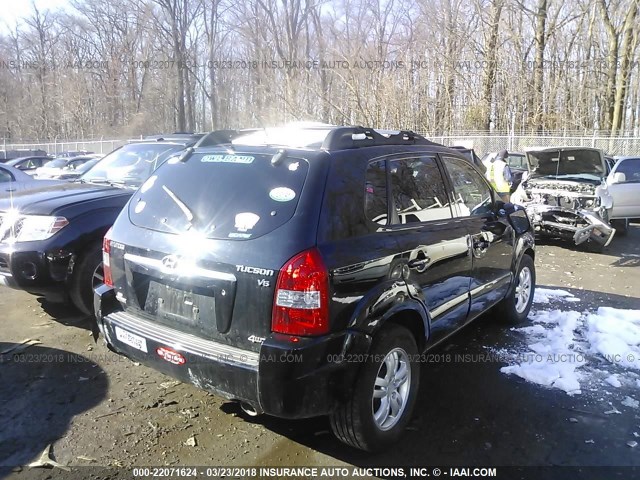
202,258
626,194
431,241
7,181
491,238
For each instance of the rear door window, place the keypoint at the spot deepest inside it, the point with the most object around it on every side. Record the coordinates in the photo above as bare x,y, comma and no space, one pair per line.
220,195
5,176
376,206
419,193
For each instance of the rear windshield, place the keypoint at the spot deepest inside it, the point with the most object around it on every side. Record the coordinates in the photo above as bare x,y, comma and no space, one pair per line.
517,161
220,195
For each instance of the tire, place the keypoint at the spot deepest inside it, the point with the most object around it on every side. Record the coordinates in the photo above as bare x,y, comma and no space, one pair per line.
353,422
516,305
621,226
87,274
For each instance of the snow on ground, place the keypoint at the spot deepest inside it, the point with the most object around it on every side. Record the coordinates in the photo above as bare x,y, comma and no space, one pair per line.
577,351
545,295
615,334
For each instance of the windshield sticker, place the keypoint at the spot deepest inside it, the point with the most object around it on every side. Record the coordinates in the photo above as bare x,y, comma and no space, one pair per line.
140,206
239,235
227,159
294,166
148,184
246,221
282,194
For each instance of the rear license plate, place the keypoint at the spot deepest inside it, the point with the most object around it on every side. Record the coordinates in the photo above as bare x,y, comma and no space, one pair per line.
131,339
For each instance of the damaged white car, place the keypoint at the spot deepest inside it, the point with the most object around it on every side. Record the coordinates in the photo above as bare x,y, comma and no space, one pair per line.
566,194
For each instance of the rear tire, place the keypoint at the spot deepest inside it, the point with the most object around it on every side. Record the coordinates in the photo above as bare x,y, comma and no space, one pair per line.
384,395
621,225
87,274
516,305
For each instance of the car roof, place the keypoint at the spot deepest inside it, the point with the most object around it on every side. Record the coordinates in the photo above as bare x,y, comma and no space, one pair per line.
316,137
28,157
555,149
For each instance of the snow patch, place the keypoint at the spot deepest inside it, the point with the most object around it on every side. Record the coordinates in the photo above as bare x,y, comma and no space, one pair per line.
615,335
545,295
564,349
613,381
554,360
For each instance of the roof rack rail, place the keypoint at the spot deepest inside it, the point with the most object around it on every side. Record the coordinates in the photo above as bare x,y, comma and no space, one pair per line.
167,137
343,138
221,137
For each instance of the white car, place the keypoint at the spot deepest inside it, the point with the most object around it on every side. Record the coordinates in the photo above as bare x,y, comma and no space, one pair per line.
566,194
624,187
60,166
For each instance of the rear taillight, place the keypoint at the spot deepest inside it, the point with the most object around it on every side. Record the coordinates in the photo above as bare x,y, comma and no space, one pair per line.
301,303
106,260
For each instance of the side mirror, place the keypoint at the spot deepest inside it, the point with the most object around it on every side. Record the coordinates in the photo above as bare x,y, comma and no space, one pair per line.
618,177
525,175
516,216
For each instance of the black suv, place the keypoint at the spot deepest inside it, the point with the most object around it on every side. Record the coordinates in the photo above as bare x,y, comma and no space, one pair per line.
51,236
305,279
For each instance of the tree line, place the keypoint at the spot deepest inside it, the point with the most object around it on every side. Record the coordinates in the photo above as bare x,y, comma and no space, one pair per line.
129,67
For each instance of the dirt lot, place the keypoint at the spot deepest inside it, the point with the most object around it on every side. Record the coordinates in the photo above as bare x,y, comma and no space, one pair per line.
96,408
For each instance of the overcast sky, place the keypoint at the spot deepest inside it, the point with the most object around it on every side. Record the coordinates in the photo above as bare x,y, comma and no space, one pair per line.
12,10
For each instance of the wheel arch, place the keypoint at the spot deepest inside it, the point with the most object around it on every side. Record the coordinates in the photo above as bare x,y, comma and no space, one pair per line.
414,318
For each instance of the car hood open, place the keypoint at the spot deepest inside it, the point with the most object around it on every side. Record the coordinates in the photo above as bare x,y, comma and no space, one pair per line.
571,163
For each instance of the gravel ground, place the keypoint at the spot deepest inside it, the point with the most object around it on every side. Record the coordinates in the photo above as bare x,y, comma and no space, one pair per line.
98,409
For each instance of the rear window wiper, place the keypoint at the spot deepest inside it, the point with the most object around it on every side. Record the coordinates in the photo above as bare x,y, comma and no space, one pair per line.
186,210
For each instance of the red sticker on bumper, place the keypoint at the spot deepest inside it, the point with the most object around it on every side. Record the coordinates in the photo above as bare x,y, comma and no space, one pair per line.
171,356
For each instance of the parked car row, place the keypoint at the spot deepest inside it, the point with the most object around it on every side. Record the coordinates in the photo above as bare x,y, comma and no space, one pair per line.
300,271
63,167
51,235
42,165
13,180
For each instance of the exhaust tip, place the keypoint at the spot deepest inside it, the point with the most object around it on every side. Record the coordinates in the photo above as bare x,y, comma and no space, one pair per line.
249,409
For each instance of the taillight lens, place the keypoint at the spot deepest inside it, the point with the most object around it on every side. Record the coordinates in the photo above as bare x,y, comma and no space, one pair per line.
301,303
106,261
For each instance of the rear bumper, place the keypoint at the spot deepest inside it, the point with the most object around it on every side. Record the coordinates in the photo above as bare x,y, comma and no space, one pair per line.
284,379
596,229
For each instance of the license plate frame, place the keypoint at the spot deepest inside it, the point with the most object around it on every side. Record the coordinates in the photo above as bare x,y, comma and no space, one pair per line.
136,341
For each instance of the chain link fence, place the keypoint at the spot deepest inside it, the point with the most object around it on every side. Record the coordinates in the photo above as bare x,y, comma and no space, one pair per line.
53,148
480,143
517,143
